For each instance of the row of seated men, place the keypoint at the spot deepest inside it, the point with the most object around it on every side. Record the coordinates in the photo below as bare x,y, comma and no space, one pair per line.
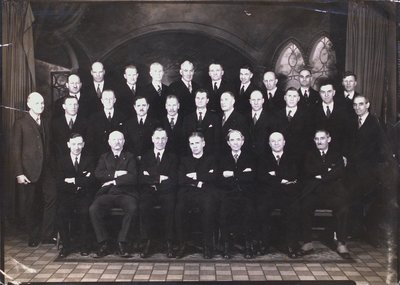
190,109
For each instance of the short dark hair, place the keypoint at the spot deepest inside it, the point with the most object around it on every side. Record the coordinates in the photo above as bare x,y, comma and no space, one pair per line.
233,131
69,97
139,98
324,82
247,66
201,90
130,66
75,135
362,96
160,129
172,96
322,131
108,90
197,134
349,73
292,89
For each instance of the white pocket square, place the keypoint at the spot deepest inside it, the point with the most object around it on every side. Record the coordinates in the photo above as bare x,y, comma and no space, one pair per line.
248,170
211,171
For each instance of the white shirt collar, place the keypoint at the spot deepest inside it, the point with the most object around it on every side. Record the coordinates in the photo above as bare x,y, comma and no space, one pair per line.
245,85
349,95
331,105
273,91
218,83
144,118
227,114
292,109
109,111
77,95
187,82
117,153
277,153
364,117
73,157
156,85
97,84
68,118
174,117
256,112
159,151
237,153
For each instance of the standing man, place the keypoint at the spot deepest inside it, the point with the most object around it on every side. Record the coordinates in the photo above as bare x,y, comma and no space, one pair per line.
273,95
158,177
140,128
117,173
308,96
76,187
244,90
216,85
349,83
128,90
172,123
185,88
156,92
323,187
204,121
33,171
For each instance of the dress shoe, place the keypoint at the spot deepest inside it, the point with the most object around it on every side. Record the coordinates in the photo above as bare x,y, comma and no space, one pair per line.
306,249
181,250
104,250
49,240
33,243
343,251
170,250
248,252
84,252
207,253
227,251
64,252
292,252
146,249
123,249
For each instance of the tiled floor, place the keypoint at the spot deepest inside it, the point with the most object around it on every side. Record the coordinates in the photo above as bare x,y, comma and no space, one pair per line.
23,264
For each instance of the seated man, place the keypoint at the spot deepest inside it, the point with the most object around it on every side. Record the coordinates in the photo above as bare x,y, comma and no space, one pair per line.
237,173
323,187
277,175
75,186
196,175
158,178
116,170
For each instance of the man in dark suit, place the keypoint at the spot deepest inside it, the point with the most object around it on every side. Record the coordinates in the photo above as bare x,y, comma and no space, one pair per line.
231,120
117,172
294,123
62,127
34,171
172,123
364,164
128,91
236,176
216,85
158,178
197,176
260,123
76,186
87,103
323,187
185,88
244,90
156,92
308,96
205,121
332,117
273,95
102,123
139,129
278,187
346,97
95,88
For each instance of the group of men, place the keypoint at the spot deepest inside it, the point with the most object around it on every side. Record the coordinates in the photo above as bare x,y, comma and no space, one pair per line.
235,152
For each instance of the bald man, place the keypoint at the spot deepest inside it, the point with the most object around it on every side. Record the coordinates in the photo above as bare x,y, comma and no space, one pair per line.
33,171
273,95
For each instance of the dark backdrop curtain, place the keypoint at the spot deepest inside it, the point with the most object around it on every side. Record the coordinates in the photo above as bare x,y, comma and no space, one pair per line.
366,51
18,70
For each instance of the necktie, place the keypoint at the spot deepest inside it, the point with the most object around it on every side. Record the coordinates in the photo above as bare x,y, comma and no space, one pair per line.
278,159
223,119
305,94
76,164
215,86
109,118
242,90
328,112
200,118
159,90
359,122
255,118
235,157
189,86
98,91
323,155
70,124
133,90
38,120
158,158
116,157
289,115
172,123
269,95
141,122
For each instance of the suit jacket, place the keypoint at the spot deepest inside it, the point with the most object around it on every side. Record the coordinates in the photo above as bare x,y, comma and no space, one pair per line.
176,138
242,103
344,101
125,98
157,102
276,103
205,168
31,147
61,132
105,171
312,100
338,124
85,181
235,121
286,169
168,167
99,128
259,132
244,172
137,137
215,96
87,106
186,98
210,127
89,89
